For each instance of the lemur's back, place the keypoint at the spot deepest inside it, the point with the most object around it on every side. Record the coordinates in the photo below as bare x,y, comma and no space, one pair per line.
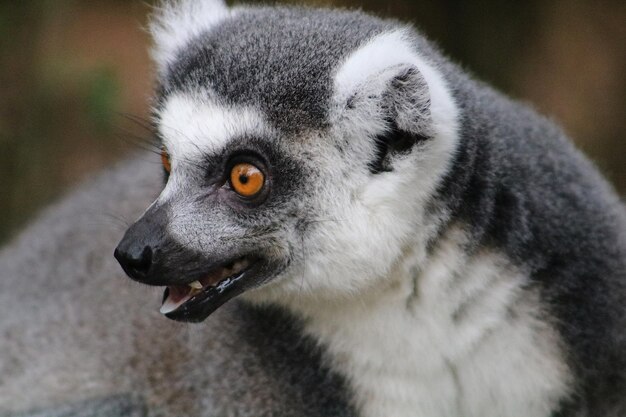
77,339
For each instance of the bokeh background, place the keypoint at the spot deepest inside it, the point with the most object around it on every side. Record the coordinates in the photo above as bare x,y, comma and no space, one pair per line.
74,73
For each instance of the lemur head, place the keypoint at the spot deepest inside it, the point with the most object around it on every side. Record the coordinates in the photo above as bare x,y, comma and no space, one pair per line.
301,149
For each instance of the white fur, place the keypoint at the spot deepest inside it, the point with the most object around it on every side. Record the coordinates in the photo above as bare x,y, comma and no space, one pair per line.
362,68
406,354
416,334
384,307
342,255
192,127
176,22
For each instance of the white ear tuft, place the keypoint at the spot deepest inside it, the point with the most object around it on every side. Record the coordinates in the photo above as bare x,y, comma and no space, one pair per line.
175,22
389,73
384,51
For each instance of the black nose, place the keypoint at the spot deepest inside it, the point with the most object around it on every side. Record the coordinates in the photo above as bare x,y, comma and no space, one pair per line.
136,260
141,250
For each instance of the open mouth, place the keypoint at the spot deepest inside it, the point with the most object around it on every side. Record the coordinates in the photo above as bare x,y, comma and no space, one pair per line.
196,300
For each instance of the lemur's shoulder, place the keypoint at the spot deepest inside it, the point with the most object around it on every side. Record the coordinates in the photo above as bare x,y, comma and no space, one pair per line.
522,186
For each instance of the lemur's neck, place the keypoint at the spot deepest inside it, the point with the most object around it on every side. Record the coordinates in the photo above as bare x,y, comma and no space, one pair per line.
431,341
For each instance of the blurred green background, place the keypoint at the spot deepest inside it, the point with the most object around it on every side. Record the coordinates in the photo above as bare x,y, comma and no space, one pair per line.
71,69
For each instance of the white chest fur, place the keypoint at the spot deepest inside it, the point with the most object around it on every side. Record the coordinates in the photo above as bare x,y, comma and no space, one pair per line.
457,338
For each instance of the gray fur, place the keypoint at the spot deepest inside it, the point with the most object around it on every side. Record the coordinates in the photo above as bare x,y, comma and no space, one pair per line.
76,329
253,60
117,406
522,186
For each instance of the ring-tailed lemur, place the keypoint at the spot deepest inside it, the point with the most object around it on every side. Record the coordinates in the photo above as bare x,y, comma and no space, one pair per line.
401,239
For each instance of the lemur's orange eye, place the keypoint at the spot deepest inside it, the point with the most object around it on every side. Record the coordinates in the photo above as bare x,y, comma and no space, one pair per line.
246,179
165,160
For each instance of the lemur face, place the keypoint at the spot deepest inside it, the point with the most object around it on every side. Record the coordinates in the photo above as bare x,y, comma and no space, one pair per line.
298,157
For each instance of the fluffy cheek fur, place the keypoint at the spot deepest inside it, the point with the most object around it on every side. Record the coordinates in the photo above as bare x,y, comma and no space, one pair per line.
353,230
364,222
370,220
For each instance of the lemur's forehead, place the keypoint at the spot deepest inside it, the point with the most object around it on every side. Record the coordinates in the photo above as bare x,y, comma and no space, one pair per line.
192,127
279,61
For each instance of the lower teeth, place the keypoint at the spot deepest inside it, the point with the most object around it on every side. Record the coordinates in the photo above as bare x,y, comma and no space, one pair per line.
196,285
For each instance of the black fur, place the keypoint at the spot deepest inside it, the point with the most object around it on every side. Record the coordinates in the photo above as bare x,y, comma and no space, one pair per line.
396,141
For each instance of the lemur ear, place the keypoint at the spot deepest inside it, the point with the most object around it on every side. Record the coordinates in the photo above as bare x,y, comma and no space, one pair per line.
176,22
405,100
399,97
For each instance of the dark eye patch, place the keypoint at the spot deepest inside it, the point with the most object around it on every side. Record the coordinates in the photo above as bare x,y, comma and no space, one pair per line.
284,176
